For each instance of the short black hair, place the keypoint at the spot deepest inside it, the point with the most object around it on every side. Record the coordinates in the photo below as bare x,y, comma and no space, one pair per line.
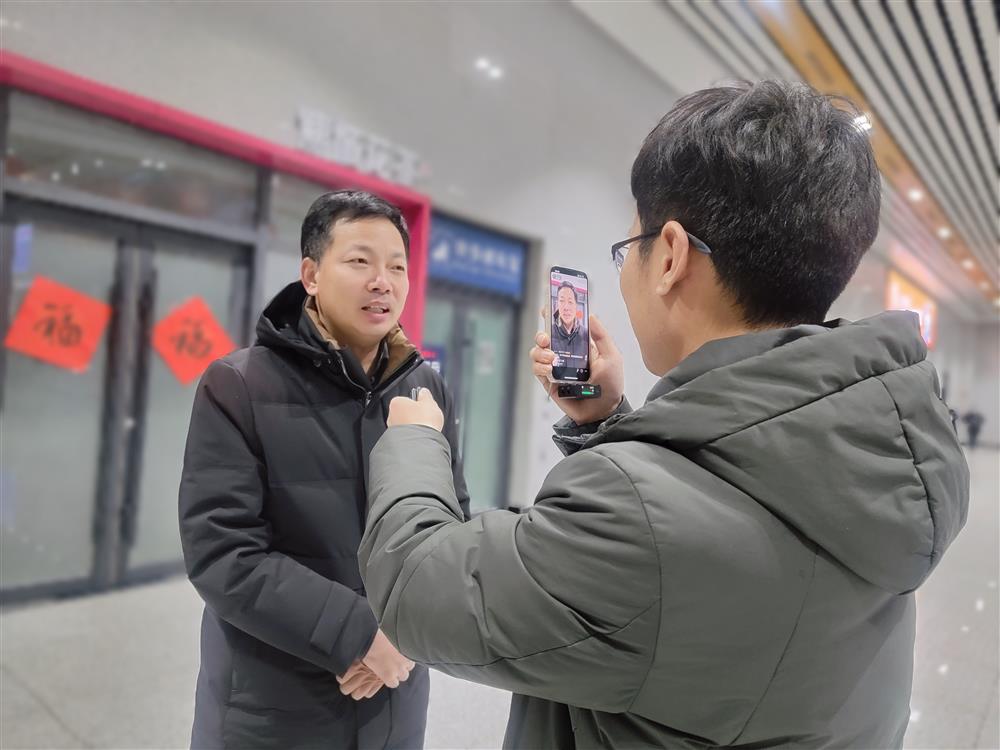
346,205
567,285
778,179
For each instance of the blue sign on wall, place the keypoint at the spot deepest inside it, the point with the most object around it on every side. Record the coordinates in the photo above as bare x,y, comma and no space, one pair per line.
471,256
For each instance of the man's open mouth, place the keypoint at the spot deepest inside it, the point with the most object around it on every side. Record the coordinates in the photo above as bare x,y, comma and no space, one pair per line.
376,308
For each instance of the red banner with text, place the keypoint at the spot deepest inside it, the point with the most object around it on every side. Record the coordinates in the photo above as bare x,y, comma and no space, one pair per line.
58,325
190,338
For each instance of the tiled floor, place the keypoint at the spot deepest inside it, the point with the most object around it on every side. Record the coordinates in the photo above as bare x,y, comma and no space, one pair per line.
118,670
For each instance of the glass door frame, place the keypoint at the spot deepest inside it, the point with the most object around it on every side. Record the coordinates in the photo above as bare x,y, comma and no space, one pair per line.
458,370
145,249
125,386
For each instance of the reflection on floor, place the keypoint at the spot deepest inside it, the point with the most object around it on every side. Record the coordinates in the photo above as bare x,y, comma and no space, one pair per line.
118,670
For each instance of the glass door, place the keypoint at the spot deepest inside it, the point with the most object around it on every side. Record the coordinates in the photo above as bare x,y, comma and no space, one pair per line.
199,289
485,409
60,299
106,326
472,335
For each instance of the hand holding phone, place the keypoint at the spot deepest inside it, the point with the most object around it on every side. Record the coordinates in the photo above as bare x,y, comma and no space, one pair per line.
604,363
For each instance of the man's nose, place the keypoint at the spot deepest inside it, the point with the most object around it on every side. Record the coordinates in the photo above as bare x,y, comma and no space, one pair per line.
379,282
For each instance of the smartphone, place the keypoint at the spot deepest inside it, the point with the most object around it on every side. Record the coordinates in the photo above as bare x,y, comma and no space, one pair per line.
569,323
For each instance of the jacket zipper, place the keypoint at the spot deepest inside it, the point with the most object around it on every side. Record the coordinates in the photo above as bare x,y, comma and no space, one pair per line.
401,372
343,369
368,395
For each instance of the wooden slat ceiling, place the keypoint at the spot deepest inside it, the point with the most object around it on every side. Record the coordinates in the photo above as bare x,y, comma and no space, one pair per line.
924,72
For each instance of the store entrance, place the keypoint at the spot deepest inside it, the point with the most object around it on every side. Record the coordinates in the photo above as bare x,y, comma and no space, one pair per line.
108,324
472,338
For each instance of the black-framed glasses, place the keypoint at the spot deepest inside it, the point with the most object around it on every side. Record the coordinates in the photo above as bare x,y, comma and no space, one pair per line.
620,249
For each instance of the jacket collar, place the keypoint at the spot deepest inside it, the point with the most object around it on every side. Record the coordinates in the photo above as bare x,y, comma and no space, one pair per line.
290,322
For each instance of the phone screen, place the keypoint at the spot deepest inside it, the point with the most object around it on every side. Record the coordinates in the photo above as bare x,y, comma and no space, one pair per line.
569,324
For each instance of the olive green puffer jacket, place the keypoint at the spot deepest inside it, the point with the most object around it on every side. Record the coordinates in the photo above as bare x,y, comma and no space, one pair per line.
732,564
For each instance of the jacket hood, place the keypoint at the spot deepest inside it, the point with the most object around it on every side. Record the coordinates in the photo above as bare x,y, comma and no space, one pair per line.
837,429
281,324
286,323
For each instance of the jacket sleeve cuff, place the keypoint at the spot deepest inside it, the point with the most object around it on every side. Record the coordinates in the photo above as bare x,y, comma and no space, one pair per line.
570,437
346,628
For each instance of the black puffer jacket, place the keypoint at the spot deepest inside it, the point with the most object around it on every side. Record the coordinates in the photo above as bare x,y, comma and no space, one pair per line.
576,343
272,507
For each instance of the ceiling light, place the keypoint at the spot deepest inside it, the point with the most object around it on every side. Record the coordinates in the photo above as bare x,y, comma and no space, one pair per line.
862,123
483,64
147,163
944,233
161,165
968,264
75,169
915,195
55,177
495,73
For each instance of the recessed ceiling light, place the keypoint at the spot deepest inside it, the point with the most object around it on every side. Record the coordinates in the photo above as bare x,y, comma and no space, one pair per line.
944,233
147,163
495,73
55,176
968,264
75,168
915,195
483,63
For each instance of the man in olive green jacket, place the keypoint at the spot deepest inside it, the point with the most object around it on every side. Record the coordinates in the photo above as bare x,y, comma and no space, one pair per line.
733,563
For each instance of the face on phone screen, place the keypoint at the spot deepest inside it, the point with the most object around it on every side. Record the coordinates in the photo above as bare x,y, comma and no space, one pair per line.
569,326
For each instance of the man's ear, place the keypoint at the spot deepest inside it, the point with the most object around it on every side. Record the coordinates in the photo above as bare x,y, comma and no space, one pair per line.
307,272
673,263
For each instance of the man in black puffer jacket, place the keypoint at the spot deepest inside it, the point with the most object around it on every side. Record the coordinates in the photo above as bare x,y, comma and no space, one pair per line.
570,340
273,500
